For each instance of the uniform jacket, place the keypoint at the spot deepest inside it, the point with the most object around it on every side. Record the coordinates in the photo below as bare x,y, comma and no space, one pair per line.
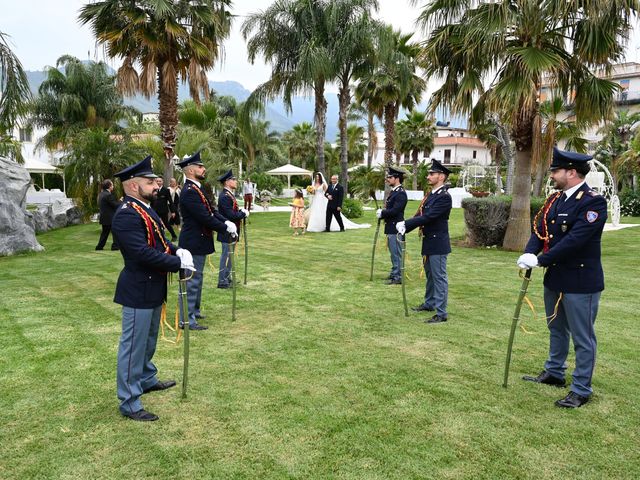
337,192
433,219
229,210
143,280
199,219
163,203
572,256
393,211
108,205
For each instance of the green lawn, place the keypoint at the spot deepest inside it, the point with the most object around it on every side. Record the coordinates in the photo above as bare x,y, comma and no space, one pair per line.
321,376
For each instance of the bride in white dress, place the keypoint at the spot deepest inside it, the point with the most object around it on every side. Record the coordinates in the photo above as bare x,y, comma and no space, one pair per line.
318,210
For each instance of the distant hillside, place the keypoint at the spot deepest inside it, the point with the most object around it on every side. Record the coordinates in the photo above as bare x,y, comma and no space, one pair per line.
275,113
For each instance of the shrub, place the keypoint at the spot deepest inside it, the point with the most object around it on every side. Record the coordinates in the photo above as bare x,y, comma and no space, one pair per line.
267,182
486,218
630,203
352,208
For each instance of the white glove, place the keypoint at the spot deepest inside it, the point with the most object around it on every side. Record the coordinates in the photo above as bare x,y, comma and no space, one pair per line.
245,211
527,260
231,227
401,228
379,213
186,260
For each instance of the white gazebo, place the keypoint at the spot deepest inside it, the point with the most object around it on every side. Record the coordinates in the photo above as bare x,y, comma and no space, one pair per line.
289,170
36,166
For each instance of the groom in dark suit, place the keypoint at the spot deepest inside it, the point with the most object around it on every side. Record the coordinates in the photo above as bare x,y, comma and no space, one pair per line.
335,195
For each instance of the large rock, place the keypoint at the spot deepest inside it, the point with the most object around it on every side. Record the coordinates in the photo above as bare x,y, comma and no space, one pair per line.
17,231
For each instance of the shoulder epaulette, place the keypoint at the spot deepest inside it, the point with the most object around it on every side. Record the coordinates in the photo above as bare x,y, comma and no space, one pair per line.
593,193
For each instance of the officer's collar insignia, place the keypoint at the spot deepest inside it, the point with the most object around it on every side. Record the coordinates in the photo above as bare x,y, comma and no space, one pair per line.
580,194
592,216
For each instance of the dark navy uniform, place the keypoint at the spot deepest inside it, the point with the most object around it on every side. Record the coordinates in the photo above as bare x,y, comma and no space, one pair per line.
141,290
567,237
199,220
392,213
229,210
433,220
108,205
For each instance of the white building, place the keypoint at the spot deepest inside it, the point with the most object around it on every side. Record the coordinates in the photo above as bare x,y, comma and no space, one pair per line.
627,75
452,146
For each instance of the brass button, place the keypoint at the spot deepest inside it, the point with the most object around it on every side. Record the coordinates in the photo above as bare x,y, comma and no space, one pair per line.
551,236
553,221
582,264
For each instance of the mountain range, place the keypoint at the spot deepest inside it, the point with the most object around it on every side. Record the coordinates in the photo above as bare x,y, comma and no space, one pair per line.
275,112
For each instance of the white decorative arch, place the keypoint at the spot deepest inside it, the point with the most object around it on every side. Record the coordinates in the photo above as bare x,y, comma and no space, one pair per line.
599,179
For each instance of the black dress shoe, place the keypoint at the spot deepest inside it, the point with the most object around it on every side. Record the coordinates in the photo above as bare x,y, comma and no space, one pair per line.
224,286
199,316
142,416
546,378
436,319
115,249
422,308
572,400
393,281
160,386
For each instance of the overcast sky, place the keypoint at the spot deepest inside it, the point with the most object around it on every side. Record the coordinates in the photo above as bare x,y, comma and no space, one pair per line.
43,30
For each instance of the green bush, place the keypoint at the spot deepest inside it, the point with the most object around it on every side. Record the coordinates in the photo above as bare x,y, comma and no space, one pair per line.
486,218
267,182
630,203
352,208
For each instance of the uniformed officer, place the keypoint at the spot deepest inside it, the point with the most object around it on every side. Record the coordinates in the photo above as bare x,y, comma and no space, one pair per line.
567,234
199,219
229,209
393,213
433,219
142,287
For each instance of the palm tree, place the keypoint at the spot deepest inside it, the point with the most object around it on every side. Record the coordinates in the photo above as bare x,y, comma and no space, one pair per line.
14,97
300,143
76,96
355,145
616,136
393,83
292,36
351,31
515,47
166,39
415,135
361,110
553,130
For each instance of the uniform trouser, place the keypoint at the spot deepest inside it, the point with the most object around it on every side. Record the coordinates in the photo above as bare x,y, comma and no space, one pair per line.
104,236
395,251
136,372
437,290
224,273
194,290
167,224
576,317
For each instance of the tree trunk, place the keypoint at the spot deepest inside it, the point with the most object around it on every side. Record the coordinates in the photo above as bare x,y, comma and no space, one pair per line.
414,160
519,226
320,119
389,140
372,142
168,118
505,142
344,99
251,157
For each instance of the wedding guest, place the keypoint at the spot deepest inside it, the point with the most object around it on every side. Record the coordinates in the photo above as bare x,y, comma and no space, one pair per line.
296,221
174,190
247,192
108,204
164,207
